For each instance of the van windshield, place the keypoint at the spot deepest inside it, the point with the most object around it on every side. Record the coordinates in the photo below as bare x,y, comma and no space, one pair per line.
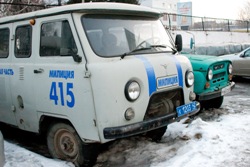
111,35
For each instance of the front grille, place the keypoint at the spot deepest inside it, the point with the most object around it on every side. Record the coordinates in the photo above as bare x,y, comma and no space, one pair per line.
222,74
164,103
219,77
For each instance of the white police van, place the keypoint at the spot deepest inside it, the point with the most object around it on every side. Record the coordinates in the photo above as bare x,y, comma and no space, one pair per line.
90,73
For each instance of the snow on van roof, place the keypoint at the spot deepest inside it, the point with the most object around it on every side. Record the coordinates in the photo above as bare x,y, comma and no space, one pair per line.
94,7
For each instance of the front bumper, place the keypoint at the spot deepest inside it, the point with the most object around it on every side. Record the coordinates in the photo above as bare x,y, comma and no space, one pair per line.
215,94
144,126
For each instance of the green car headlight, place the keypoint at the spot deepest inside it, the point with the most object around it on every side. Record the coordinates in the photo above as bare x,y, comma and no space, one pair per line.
230,69
210,74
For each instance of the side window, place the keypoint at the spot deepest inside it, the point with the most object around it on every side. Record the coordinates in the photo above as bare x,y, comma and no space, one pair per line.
247,53
4,42
57,39
23,38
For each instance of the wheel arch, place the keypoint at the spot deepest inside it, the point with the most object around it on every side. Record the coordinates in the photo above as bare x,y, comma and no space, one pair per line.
46,121
87,152
199,81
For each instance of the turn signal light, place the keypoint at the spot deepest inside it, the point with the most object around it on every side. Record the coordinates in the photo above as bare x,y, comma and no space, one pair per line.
32,22
230,77
207,85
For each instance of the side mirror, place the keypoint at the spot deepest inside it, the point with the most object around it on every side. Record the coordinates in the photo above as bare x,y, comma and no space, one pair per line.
178,42
192,43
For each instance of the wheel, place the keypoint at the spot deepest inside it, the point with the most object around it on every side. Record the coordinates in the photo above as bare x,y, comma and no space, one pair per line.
64,143
156,134
213,103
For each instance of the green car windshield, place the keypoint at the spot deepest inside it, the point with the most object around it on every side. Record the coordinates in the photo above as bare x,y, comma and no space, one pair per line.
111,35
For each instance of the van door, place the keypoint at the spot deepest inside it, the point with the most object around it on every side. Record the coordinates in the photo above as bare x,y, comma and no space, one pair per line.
62,89
55,68
22,90
6,73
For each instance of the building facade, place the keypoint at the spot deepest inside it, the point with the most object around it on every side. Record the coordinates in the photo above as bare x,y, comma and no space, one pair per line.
166,7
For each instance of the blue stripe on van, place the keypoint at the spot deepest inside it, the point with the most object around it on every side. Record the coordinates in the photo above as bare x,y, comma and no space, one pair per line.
179,70
150,73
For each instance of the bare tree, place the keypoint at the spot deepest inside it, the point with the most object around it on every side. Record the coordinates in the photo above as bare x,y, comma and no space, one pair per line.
244,13
56,2
121,1
13,7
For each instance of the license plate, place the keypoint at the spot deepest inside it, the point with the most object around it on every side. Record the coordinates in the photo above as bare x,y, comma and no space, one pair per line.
225,90
185,109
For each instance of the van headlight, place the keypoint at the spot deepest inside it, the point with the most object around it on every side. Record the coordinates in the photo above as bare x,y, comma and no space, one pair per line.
132,90
230,69
189,78
209,74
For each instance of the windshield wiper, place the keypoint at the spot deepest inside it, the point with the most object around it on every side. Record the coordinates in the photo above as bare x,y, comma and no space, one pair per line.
147,48
135,50
140,49
164,46
158,46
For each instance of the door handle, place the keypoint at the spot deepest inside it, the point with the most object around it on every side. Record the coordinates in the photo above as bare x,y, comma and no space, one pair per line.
37,71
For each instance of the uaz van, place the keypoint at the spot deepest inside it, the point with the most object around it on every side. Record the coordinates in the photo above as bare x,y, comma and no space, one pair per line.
90,73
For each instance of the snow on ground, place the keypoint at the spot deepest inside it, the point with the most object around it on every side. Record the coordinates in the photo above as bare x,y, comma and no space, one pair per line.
214,138
19,157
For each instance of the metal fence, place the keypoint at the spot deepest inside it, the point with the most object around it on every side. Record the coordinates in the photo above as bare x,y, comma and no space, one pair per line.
194,23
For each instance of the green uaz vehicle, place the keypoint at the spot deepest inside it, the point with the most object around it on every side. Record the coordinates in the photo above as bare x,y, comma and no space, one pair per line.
213,79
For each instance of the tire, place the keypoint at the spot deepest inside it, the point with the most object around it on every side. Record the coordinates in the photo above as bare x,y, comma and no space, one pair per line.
64,143
156,134
213,103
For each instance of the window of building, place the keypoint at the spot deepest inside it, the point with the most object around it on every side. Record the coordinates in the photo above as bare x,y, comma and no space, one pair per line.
165,17
23,40
174,17
57,39
4,42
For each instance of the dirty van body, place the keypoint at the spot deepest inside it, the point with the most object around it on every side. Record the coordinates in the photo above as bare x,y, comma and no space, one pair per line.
90,73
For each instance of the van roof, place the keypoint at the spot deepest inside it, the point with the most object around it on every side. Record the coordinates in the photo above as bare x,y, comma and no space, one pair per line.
93,8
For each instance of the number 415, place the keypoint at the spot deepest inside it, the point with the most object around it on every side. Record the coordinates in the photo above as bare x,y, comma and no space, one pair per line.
53,95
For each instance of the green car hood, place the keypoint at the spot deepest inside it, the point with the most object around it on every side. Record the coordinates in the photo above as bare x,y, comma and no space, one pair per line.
202,62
